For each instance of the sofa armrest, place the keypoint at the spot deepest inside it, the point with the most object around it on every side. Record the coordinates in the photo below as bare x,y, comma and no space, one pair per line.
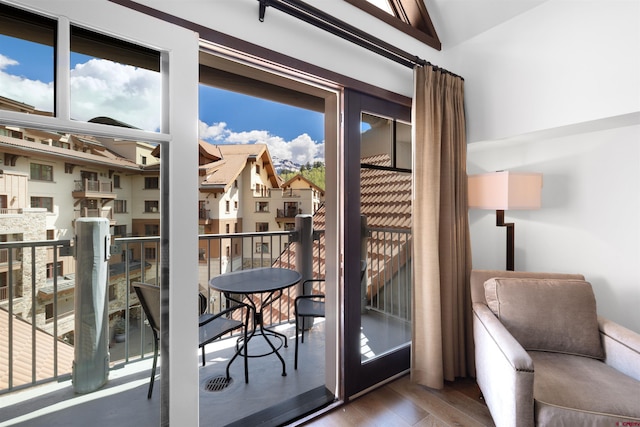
504,370
621,347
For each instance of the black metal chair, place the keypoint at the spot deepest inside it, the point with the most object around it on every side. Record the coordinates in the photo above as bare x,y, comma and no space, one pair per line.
210,326
312,306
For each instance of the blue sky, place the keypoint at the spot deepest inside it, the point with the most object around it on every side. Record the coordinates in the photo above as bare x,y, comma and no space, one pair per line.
129,94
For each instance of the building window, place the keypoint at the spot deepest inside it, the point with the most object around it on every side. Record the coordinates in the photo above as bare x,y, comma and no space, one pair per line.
151,183
120,206
113,294
235,205
116,181
119,230
236,251
226,228
41,172
42,202
68,168
228,251
262,227
151,230
51,234
262,206
262,248
226,204
48,311
235,184
143,160
151,206
51,272
258,169
150,253
289,226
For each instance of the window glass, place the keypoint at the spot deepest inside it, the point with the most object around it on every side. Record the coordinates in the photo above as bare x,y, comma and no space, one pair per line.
41,172
114,82
26,61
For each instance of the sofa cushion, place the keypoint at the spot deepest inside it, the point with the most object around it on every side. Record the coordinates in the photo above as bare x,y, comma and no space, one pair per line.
581,391
554,315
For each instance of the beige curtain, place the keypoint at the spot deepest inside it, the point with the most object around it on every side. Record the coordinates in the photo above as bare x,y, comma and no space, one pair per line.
441,248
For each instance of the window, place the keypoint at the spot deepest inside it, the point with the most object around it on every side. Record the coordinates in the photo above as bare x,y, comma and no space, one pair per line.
116,181
228,251
42,202
262,248
151,183
143,160
257,169
408,16
151,206
122,66
119,230
48,311
41,172
262,227
51,234
11,133
226,204
51,272
262,206
150,253
32,38
120,206
235,184
113,294
151,230
68,168
226,228
235,205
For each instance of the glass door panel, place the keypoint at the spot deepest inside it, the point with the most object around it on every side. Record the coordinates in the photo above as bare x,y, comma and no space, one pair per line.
378,238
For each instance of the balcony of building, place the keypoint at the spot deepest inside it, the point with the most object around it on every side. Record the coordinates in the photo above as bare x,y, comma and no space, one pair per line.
90,189
35,366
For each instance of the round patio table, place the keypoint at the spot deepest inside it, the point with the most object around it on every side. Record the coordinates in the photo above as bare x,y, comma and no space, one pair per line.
270,281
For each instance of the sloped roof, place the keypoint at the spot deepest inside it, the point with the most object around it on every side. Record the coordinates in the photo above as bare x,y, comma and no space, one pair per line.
22,353
229,160
386,202
97,155
299,177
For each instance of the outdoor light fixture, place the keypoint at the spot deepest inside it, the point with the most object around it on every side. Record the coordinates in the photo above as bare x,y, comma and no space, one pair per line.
502,191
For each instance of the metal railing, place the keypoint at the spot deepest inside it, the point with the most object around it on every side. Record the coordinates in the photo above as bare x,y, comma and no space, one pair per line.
41,305
88,185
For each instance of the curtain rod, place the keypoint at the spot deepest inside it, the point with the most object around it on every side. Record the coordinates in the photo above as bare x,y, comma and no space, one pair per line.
322,20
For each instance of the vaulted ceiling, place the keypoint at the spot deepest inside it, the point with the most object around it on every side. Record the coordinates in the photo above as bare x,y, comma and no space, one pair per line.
445,22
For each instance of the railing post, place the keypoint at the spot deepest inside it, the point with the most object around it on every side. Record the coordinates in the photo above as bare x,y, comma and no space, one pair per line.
304,257
364,237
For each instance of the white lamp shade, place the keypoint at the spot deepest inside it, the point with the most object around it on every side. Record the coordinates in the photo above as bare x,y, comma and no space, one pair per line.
505,190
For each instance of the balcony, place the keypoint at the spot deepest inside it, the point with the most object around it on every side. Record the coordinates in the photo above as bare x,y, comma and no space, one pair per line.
123,400
88,189
94,213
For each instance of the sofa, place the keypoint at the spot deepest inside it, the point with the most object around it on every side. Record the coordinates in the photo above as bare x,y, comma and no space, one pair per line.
543,356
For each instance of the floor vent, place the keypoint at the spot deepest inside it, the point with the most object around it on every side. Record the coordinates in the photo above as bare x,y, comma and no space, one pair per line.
218,383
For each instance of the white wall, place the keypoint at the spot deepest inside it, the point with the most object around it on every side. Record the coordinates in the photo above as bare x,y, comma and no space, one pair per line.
561,63
589,221
557,90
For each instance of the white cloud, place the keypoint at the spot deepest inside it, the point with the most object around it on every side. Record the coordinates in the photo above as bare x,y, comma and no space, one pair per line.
98,88
21,89
301,149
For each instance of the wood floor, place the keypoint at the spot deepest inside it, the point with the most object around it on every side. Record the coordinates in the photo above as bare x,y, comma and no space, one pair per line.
402,403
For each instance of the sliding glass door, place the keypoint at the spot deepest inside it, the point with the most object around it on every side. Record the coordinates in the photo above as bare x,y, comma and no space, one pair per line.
377,240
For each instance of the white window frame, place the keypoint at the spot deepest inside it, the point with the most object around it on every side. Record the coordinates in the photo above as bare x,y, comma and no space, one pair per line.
179,69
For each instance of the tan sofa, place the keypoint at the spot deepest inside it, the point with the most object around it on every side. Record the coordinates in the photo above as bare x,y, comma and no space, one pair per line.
544,358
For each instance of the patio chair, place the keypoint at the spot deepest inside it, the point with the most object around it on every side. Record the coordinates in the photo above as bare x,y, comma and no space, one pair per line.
210,326
313,306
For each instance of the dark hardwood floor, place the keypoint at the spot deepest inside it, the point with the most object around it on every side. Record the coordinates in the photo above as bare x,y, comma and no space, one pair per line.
402,403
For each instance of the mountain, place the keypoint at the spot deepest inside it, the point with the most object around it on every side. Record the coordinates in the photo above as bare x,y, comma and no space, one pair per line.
284,164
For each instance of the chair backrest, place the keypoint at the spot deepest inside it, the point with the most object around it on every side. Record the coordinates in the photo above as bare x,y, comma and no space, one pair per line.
149,297
478,277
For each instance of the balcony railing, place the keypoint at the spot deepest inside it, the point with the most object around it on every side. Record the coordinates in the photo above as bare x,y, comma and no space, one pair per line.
93,213
39,313
87,185
9,211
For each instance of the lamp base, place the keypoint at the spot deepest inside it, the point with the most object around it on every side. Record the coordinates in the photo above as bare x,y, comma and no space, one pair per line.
511,231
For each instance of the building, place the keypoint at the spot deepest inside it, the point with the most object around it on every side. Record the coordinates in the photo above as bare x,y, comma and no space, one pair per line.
550,86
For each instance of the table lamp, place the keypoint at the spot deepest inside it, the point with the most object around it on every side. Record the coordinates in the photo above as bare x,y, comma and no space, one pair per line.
502,191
